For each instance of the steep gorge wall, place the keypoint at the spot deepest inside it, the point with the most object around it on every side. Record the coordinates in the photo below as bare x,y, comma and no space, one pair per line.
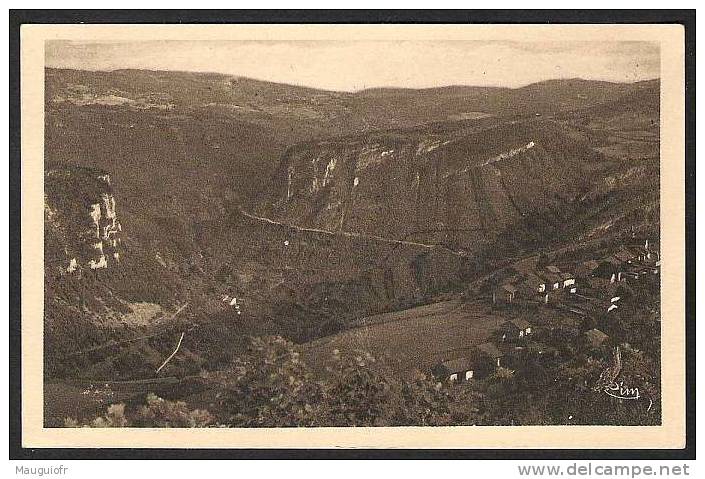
82,229
453,188
101,289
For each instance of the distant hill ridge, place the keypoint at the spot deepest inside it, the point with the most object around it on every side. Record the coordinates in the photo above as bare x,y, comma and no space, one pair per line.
391,90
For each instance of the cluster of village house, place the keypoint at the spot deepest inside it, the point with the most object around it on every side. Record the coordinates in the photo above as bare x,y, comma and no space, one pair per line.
593,287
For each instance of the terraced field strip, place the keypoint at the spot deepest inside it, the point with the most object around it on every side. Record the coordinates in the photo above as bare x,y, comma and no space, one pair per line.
416,338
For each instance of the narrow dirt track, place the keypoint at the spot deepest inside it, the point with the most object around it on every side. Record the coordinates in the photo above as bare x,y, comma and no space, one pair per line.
347,234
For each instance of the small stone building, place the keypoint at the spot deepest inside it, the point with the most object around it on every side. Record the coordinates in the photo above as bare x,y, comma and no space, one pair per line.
515,329
455,370
489,352
504,293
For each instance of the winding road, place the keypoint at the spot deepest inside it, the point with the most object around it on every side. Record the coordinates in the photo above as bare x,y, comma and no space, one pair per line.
348,234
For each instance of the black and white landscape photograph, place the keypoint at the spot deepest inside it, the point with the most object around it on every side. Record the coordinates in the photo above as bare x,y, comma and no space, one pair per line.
351,233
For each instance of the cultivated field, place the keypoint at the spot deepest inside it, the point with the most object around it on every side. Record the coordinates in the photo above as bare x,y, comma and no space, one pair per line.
416,338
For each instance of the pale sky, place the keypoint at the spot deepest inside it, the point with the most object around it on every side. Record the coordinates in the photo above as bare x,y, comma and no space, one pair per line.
355,65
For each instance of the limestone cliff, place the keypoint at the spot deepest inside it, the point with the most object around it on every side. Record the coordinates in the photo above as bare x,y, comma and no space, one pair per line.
449,186
82,229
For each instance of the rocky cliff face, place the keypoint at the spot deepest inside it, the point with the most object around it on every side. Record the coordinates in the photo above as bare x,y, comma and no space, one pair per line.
82,230
95,294
457,187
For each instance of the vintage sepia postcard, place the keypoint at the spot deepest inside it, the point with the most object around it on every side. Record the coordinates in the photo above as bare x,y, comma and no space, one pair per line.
353,236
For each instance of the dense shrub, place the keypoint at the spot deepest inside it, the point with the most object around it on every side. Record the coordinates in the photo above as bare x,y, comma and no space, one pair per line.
157,412
271,386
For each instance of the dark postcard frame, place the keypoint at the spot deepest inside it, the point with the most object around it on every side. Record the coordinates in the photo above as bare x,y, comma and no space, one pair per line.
22,17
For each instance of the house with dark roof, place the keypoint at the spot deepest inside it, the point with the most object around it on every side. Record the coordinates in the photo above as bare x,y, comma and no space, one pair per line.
645,250
568,281
624,255
634,271
489,352
603,295
526,290
482,361
610,268
455,370
641,255
529,290
533,281
504,293
553,280
514,329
